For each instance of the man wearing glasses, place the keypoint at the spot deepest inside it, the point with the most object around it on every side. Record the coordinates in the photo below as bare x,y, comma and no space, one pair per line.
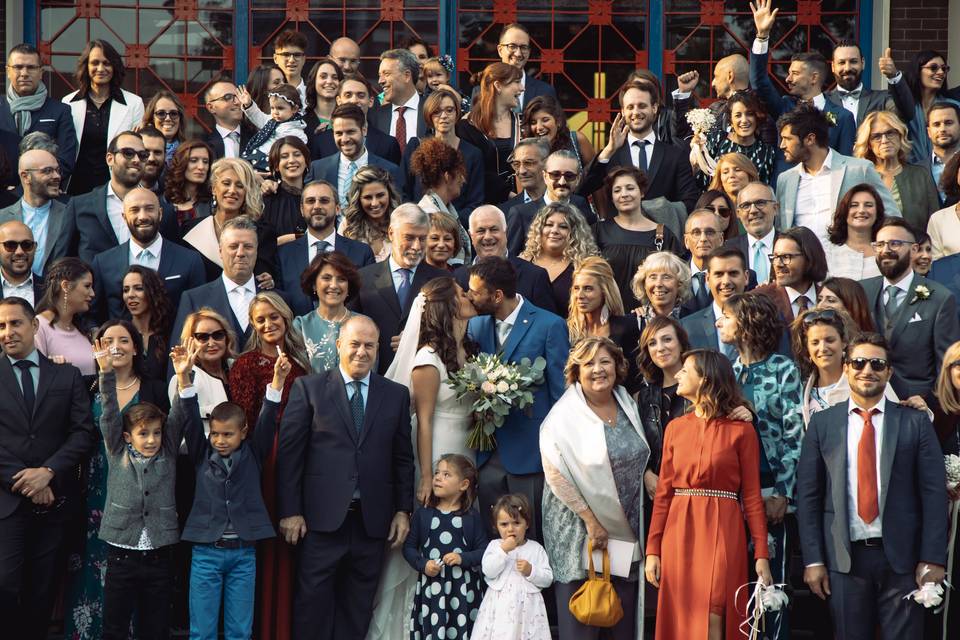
290,54
917,316
26,107
757,209
514,49
39,209
229,136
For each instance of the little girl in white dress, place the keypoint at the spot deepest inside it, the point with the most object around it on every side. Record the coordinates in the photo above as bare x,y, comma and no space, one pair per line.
516,569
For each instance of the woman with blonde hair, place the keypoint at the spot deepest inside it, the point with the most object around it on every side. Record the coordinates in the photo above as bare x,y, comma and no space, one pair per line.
734,172
661,284
882,139
211,371
559,240
373,197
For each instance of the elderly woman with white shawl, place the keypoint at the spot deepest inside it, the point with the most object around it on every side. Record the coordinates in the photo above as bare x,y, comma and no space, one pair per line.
594,453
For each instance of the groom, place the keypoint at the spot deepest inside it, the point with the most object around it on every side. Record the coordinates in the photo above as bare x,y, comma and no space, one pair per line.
516,329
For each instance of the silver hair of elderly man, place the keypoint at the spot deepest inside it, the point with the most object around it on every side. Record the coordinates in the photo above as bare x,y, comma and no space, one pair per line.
489,208
409,213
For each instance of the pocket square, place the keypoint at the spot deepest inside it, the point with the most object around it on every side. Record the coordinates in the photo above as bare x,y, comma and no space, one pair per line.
916,318
173,277
46,120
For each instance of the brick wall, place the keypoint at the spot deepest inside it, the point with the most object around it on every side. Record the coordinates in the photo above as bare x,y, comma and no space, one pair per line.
916,25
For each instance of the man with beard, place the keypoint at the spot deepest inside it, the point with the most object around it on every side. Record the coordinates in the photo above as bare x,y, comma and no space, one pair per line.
100,224
943,128
917,316
16,257
355,89
561,174
847,66
633,142
388,288
488,234
871,491
799,266
179,268
318,206
528,160
156,146
349,126
39,209
229,135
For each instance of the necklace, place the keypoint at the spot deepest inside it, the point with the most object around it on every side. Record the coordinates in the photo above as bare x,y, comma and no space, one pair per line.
132,382
596,409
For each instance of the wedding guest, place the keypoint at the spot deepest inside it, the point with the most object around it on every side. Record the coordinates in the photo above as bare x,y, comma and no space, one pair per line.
945,422
333,280
661,285
734,172
289,159
923,261
372,198
543,117
746,115
799,265
443,241
187,181
151,312
591,444
290,54
702,233
856,220
942,228
263,79
844,294
443,174
165,112
61,334
758,211
726,275
323,85
346,52
210,374
721,204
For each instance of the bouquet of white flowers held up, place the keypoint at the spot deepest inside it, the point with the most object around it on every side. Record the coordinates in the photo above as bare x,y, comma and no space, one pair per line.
497,388
702,122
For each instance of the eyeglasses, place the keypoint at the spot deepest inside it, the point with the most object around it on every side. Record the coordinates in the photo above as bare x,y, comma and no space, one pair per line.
217,336
227,97
323,200
526,164
167,115
569,176
130,154
825,315
290,55
935,68
784,258
697,233
32,68
46,171
879,365
880,245
759,204
513,48
10,246
880,135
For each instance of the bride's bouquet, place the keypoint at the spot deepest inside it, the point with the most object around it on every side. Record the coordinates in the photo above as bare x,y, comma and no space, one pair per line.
701,121
496,388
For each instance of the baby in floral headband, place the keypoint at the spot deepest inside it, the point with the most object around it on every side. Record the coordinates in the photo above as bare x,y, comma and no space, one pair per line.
437,72
285,119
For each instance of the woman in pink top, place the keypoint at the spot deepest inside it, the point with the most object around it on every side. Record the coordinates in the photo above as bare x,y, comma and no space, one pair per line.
68,292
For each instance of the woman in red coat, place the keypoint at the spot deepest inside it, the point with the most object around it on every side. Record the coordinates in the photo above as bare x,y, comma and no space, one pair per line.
697,548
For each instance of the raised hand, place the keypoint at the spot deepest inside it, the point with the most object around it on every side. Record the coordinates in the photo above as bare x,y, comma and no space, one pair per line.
764,15
244,97
281,369
616,139
887,66
183,356
687,82
102,353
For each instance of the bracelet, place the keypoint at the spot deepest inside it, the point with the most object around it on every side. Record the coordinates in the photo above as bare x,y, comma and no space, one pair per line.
762,38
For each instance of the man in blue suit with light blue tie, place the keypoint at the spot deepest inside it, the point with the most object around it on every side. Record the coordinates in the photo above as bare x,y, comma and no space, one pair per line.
349,127
516,329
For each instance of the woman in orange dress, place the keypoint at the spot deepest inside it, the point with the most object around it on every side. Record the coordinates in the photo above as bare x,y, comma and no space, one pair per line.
697,548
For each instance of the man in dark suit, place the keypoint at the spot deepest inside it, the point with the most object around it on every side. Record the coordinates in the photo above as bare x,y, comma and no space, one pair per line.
17,249
847,66
46,433
488,234
349,131
805,79
318,205
32,109
401,113
514,49
229,135
917,316
757,209
356,89
388,288
633,142
871,491
99,214
799,265
726,275
561,175
179,268
702,233
345,485
528,159
46,216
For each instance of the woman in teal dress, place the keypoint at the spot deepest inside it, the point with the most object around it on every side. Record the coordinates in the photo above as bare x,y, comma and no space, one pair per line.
330,280
86,567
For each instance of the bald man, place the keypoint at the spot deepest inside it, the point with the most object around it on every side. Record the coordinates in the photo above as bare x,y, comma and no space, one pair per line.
179,268
347,54
17,249
46,217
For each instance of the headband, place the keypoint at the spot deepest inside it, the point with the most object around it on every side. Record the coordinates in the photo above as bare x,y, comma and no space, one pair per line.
274,94
447,63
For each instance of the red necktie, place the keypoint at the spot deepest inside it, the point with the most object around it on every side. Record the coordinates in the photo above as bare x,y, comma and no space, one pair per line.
401,134
868,503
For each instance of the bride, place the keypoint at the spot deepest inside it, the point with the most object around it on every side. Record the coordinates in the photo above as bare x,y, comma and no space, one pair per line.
433,343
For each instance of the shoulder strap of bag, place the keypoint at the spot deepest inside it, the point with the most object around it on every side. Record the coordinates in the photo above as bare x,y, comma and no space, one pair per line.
658,242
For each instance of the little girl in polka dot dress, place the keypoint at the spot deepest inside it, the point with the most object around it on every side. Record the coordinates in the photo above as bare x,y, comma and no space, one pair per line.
445,546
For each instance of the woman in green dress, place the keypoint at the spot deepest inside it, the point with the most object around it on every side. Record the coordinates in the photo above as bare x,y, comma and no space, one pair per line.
331,280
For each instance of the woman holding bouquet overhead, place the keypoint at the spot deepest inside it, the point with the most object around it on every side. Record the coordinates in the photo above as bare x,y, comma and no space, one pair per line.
710,465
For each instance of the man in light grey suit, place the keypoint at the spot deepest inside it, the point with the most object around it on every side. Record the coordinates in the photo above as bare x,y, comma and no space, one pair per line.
38,209
809,192
847,66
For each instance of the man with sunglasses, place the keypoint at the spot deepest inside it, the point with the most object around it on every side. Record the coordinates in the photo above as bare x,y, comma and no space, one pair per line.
100,224
871,496
39,209
229,135
16,258
917,316
561,174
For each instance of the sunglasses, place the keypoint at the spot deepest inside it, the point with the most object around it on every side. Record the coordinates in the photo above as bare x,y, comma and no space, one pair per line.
935,68
879,365
130,154
826,315
10,246
165,115
569,176
217,336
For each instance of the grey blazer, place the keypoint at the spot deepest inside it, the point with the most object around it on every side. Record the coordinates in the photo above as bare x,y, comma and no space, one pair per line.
918,195
846,173
60,229
870,101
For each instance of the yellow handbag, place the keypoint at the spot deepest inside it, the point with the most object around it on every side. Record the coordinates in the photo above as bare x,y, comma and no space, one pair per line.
595,603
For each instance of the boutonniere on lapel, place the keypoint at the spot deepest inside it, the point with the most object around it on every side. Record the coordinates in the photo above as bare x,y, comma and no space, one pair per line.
920,292
831,118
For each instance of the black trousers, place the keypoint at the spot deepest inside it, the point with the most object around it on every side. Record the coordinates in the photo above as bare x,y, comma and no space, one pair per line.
495,481
871,595
138,582
337,581
31,546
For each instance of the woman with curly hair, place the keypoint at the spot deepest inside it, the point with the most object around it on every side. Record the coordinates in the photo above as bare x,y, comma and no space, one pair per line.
67,294
442,172
734,172
187,181
543,117
856,220
151,312
166,113
746,115
771,383
288,159
660,286
844,294
559,240
323,84
372,198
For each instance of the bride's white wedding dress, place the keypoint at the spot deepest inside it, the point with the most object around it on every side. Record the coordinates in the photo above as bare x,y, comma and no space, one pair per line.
451,424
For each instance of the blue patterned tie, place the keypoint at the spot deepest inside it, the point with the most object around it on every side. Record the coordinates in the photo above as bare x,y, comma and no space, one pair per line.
356,405
403,291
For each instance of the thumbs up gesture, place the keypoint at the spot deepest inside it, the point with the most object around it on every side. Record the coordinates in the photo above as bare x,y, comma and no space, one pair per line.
887,66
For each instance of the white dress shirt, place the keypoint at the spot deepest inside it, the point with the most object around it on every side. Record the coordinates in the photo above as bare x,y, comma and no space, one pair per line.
651,139
815,204
410,115
240,296
115,215
849,102
505,326
794,295
312,241
148,256
860,530
231,147
23,290
302,88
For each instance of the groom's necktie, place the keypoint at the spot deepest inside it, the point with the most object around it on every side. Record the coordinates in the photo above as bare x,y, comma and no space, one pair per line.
503,332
